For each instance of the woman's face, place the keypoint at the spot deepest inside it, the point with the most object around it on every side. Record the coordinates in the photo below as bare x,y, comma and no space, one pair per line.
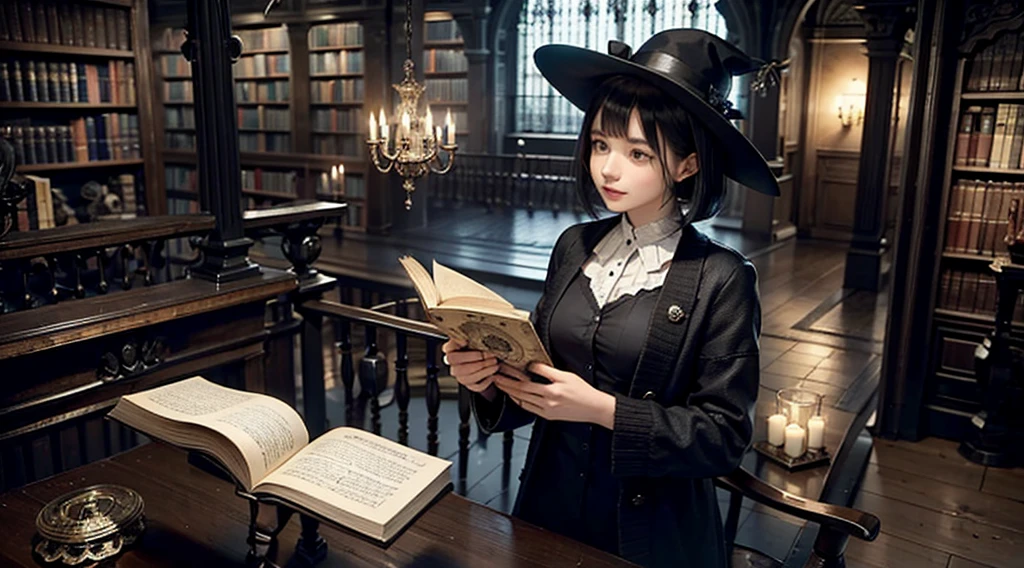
628,174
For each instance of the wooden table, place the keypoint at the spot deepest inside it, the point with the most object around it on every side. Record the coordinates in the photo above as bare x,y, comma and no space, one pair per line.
195,519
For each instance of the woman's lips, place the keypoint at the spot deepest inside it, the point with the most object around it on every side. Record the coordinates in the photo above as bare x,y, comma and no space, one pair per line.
612,194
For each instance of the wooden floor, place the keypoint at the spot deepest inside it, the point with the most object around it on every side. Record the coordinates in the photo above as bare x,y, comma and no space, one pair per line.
937,509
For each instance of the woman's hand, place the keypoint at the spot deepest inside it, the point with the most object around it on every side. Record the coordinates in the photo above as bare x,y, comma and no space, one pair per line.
473,369
568,397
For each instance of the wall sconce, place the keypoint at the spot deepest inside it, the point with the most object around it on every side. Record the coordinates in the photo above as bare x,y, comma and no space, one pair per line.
851,103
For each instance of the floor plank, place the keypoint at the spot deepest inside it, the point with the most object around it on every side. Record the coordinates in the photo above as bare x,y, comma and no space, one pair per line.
988,544
957,562
889,551
930,458
1007,483
944,498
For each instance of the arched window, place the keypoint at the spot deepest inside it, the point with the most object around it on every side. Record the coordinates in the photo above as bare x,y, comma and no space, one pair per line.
590,24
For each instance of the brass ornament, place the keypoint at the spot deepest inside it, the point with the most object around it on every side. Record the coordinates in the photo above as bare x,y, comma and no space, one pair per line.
89,525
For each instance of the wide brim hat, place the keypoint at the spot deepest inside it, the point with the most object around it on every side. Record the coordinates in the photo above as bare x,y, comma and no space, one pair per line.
693,66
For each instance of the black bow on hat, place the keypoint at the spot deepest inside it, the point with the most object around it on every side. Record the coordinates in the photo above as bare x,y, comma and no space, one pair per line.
692,66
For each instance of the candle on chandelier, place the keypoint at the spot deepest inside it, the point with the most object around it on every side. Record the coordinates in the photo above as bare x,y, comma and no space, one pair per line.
404,132
437,135
384,127
449,128
373,128
428,127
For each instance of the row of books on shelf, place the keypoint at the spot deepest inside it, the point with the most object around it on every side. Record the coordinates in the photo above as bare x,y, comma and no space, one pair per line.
265,38
336,91
65,23
444,61
443,30
111,136
270,118
178,117
174,65
345,186
262,65
262,91
264,142
977,217
336,62
334,120
179,140
972,293
991,136
999,67
341,34
178,91
277,182
67,82
447,89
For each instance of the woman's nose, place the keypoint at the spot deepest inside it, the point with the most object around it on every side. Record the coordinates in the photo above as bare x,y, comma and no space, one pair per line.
610,167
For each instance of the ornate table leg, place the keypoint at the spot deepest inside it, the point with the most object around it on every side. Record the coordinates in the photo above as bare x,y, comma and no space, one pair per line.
312,547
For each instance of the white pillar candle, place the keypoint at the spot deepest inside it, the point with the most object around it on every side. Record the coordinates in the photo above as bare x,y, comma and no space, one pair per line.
373,128
794,441
437,135
334,179
776,429
449,127
428,126
816,433
341,179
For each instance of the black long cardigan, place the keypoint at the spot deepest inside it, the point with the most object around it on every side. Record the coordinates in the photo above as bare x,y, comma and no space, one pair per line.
687,418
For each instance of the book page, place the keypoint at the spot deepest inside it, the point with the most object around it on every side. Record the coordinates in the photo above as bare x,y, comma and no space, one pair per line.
266,430
420,281
358,472
450,284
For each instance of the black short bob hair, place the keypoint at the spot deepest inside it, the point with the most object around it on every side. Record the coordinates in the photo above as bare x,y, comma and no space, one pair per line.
700,195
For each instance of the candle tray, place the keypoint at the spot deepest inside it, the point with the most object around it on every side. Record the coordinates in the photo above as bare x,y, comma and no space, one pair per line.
811,458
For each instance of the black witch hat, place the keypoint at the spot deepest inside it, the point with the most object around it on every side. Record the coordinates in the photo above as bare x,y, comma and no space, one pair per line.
692,65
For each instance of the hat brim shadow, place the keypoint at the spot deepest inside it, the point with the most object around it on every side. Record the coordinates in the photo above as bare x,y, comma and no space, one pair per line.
576,73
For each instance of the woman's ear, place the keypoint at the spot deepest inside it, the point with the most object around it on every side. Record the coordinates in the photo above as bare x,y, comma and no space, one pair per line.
686,167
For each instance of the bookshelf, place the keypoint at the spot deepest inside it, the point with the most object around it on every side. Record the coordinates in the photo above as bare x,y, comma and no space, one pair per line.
985,172
446,72
337,120
70,77
288,141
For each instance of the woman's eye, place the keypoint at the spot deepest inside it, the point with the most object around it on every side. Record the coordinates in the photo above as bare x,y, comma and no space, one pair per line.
598,145
638,155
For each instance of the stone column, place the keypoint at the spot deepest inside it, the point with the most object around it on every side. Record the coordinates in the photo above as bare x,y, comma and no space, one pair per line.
887,22
212,51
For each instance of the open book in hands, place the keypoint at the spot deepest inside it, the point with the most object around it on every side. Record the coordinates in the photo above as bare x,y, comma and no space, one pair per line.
468,311
353,478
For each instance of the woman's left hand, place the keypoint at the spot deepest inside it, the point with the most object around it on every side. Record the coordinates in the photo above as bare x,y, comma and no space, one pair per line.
568,397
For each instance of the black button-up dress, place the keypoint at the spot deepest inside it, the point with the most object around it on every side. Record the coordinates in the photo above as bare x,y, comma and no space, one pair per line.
602,346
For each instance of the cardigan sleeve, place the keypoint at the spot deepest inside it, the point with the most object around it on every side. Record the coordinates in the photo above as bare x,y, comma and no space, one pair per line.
500,414
706,433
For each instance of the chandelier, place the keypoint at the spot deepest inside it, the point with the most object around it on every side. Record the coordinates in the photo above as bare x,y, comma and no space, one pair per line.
418,146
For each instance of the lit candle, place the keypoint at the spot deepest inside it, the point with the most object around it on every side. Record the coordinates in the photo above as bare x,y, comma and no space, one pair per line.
776,429
449,128
404,132
428,126
341,179
373,128
794,441
385,131
334,179
816,433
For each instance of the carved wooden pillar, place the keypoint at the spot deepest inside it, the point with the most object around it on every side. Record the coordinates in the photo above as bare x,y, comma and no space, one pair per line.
474,31
212,51
887,22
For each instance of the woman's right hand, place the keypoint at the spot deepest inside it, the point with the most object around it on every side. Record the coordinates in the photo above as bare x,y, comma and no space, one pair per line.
473,369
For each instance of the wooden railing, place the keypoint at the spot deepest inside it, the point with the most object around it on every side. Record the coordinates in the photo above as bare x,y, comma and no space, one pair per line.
505,180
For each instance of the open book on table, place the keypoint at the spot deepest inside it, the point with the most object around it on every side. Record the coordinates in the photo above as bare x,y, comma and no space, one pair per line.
468,311
356,479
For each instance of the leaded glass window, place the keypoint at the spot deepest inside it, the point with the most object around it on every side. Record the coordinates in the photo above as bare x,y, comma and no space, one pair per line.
590,23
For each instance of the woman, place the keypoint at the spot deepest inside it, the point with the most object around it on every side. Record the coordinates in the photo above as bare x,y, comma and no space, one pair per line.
652,328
